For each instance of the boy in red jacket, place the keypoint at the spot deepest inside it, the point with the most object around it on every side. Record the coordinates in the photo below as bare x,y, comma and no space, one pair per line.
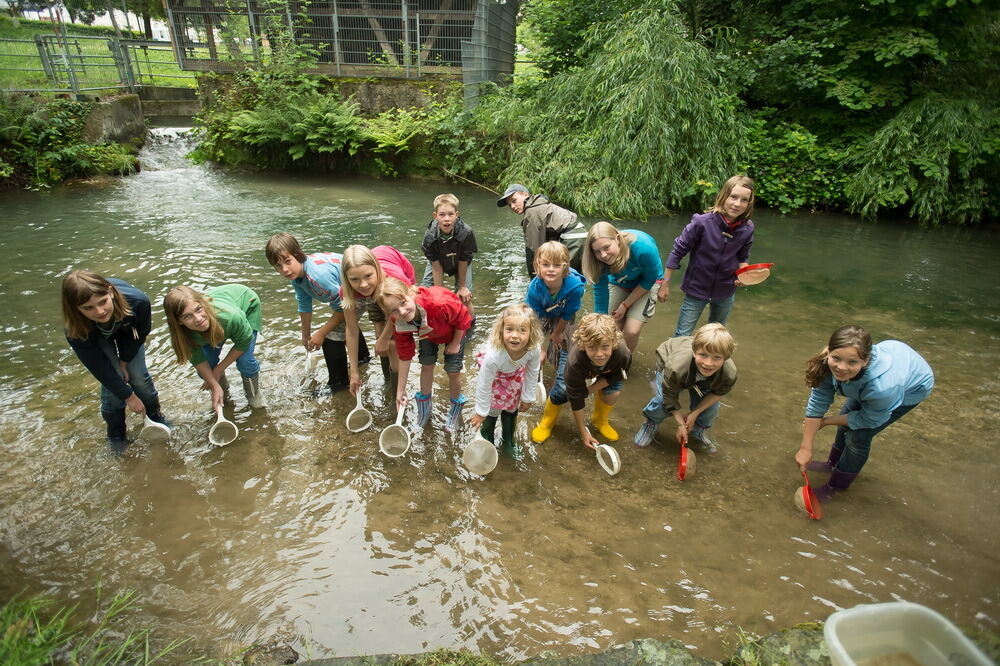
437,316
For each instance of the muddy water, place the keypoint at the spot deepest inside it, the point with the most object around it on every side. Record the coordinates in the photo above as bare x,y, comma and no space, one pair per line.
302,527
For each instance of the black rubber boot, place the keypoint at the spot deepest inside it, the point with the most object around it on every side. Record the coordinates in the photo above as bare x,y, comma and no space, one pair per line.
154,413
364,356
117,432
335,353
509,445
386,368
488,429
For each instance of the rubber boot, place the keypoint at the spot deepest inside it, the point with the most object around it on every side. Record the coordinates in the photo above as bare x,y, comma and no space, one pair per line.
424,408
599,418
117,432
509,445
224,383
364,356
455,413
839,481
644,436
251,387
386,368
831,462
154,413
335,354
543,430
488,429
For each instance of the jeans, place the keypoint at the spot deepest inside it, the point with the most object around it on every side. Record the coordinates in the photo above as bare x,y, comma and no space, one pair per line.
856,444
691,309
248,366
428,279
654,408
558,393
138,378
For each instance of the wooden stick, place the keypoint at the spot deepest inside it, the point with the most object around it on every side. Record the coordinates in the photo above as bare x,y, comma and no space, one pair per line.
471,182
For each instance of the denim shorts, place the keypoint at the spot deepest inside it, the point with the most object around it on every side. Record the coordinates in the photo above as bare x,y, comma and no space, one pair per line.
427,354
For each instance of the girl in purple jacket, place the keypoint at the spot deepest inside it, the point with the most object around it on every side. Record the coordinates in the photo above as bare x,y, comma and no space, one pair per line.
719,242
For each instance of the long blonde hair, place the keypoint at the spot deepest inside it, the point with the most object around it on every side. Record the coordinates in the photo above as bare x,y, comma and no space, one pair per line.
174,303
355,256
817,369
80,286
593,267
517,311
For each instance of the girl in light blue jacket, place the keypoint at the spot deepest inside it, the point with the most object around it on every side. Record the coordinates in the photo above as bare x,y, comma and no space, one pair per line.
881,382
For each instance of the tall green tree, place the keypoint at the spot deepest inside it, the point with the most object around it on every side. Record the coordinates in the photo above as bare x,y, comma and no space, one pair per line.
634,128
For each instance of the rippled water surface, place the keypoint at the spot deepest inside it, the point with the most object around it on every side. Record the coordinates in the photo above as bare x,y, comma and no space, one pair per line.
304,528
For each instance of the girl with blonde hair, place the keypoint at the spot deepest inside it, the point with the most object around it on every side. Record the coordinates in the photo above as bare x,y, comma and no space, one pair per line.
508,366
626,271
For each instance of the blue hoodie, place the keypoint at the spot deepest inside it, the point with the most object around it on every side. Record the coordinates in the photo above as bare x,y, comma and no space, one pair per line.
895,376
563,305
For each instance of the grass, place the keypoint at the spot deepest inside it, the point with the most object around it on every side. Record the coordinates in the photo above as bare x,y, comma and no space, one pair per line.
34,630
86,48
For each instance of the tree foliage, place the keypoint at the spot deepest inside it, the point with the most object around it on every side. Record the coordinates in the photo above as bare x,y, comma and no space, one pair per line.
634,128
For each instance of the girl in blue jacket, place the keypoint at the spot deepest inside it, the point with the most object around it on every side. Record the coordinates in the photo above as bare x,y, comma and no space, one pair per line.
881,382
107,322
626,270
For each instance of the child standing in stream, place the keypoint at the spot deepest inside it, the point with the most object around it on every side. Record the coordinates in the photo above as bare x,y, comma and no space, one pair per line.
107,322
508,366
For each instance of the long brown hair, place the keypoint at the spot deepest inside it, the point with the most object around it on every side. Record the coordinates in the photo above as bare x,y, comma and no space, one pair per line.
174,303
593,267
79,287
846,336
727,189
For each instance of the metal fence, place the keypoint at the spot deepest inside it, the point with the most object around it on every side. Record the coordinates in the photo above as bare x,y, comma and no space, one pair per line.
468,39
78,64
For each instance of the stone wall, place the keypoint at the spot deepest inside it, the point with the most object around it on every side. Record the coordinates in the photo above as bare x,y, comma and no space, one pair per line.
115,120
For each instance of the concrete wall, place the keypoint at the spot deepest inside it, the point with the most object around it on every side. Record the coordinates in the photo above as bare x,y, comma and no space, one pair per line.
118,120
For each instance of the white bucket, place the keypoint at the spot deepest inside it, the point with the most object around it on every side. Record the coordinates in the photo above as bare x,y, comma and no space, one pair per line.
898,632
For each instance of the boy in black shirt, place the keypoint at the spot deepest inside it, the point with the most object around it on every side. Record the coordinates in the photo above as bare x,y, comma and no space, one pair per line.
449,244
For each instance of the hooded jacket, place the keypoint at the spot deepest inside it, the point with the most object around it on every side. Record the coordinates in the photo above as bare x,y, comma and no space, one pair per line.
675,359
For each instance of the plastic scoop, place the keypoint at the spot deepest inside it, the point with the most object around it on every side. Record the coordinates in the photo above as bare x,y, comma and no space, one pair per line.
540,394
480,456
153,432
395,439
754,274
608,459
359,418
805,499
687,464
224,431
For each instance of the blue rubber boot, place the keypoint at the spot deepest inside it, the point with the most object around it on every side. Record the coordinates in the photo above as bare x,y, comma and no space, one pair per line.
644,436
455,413
424,408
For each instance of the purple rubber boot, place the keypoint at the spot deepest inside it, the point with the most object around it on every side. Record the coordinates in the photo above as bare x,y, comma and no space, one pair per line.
838,481
829,464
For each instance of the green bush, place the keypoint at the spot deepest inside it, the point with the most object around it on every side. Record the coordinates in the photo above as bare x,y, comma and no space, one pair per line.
793,168
40,145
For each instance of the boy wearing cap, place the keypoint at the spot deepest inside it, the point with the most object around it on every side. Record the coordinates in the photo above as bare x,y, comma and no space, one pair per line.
544,221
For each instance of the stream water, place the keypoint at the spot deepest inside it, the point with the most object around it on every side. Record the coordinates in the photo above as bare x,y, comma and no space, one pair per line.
301,527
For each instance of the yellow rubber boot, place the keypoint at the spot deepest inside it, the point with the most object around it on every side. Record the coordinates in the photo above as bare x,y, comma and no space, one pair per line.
541,432
602,411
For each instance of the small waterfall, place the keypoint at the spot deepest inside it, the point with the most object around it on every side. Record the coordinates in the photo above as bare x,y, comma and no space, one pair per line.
166,149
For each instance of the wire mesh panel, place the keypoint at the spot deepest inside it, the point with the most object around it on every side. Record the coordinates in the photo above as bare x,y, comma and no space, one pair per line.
397,38
489,54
